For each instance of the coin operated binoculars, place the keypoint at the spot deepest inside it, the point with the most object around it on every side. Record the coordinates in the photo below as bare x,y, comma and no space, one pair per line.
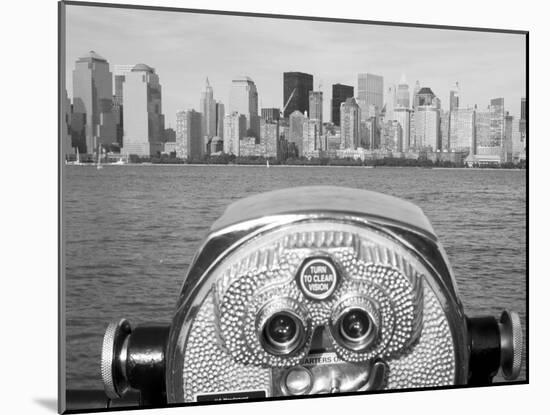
311,290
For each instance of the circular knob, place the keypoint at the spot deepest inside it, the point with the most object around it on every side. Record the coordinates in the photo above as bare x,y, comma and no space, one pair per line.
113,358
511,344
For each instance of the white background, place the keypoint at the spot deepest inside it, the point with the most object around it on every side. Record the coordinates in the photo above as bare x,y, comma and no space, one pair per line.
28,205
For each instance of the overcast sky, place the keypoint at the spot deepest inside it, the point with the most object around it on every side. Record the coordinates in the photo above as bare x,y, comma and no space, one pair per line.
185,48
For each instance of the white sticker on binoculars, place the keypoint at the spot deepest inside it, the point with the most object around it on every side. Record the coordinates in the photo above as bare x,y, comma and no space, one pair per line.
318,278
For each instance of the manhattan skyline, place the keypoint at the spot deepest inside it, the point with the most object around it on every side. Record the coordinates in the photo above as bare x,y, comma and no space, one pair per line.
185,48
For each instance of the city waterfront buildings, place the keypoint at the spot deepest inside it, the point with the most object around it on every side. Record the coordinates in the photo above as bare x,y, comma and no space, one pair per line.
296,130
143,118
301,83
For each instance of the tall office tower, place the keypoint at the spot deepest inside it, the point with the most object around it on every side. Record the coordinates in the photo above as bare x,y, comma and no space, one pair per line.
189,138
65,125
220,114
119,75
208,110
426,119
271,114
445,125
311,132
234,129
454,97
370,91
507,141
296,130
390,102
483,129
403,117
497,122
462,129
415,93
143,119
243,98
350,118
340,93
403,94
93,99
269,137
302,83
392,136
316,106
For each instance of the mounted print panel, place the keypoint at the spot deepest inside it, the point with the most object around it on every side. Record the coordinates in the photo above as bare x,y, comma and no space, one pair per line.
259,206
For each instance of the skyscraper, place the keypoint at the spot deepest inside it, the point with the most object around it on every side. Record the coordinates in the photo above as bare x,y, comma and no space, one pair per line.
340,93
296,130
462,129
350,118
426,127
269,138
220,115
302,83
453,98
189,138
243,98
497,122
415,93
93,100
316,105
143,119
119,76
403,117
234,129
370,91
403,94
483,129
390,102
310,136
208,110
316,109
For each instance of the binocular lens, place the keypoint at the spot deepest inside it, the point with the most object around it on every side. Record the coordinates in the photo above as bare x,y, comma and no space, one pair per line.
355,324
283,333
281,329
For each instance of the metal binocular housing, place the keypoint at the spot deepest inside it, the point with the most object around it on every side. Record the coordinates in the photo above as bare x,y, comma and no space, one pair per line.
311,290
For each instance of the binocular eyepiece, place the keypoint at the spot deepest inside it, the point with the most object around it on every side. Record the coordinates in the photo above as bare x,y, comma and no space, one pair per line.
312,290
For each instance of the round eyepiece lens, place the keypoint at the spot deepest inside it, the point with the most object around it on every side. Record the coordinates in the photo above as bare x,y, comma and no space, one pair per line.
355,324
281,328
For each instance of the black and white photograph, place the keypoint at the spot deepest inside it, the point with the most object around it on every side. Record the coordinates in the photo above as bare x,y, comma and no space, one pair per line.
261,207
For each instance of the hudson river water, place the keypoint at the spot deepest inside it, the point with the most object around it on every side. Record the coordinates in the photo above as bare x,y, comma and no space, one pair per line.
131,232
